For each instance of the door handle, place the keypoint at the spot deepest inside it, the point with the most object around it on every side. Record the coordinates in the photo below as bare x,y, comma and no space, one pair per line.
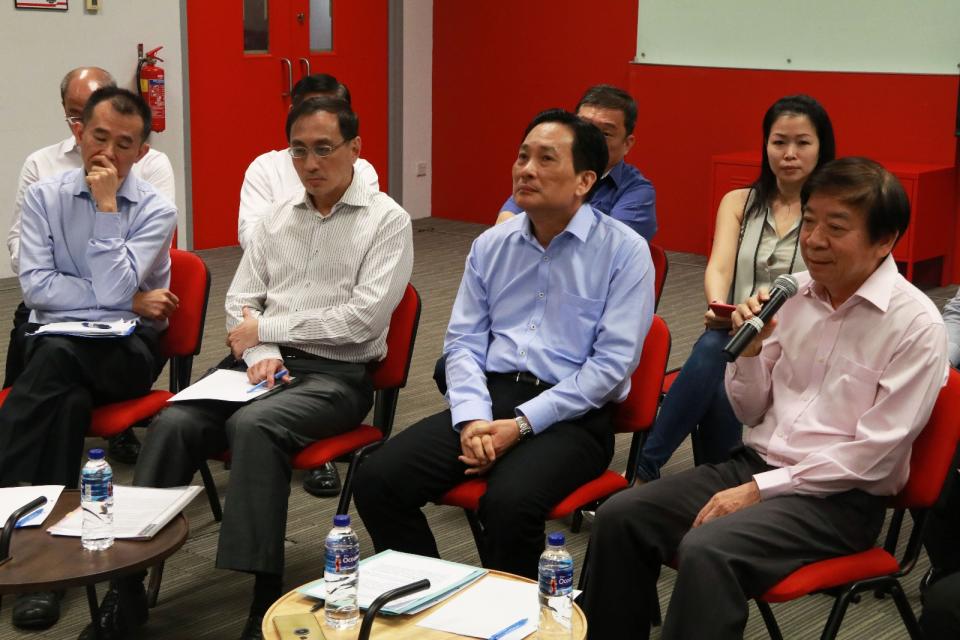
286,62
305,65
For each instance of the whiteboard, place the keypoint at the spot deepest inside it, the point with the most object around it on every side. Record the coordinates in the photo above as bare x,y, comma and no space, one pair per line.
894,36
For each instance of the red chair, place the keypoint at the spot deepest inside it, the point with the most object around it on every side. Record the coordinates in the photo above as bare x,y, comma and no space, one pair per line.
389,376
878,569
634,415
190,281
660,268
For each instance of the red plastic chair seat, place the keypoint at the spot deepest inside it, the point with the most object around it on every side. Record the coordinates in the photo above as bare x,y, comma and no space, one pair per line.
110,419
832,573
323,451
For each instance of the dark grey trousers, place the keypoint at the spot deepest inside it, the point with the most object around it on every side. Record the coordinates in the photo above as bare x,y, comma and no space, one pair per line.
261,436
721,564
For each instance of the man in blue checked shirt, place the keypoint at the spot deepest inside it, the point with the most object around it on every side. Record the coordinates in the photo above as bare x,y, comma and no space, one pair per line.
546,329
622,192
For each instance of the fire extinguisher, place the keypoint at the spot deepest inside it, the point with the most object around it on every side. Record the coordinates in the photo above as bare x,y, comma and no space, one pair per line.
150,80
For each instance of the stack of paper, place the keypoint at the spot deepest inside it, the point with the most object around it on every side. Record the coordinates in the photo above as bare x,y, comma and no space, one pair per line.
114,329
223,384
493,608
391,569
138,512
13,498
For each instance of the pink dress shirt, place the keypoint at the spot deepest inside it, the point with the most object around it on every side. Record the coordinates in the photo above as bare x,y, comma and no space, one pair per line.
837,396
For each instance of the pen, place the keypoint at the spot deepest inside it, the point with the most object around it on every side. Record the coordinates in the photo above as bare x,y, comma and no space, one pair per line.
95,325
262,383
503,632
30,516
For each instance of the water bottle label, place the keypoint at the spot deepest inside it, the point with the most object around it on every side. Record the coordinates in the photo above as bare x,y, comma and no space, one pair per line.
338,560
556,582
94,489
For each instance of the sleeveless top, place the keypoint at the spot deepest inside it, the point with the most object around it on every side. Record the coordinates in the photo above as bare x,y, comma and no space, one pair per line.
761,254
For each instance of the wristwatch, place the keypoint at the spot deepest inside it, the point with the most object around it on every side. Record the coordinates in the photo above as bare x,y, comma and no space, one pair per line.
526,431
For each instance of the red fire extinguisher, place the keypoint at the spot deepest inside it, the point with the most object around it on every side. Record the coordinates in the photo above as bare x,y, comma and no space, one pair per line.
150,79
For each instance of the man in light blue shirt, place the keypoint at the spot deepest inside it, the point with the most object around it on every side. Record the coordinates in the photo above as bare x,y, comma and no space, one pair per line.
546,329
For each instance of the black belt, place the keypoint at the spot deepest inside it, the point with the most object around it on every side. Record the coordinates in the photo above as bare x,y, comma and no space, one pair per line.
520,377
292,353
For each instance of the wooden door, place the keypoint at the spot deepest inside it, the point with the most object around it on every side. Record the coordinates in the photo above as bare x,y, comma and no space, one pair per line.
244,56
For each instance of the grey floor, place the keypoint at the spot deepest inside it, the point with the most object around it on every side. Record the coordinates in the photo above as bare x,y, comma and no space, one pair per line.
199,601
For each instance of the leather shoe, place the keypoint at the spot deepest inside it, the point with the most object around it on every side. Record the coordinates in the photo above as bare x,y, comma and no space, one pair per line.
253,630
37,610
124,447
323,482
123,609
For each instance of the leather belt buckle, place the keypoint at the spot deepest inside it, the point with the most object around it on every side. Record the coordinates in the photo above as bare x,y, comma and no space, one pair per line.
527,378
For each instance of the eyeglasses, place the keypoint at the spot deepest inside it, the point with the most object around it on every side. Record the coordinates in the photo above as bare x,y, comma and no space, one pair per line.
73,119
320,150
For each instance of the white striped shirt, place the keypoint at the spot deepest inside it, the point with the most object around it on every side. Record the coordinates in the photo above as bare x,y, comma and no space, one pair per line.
326,285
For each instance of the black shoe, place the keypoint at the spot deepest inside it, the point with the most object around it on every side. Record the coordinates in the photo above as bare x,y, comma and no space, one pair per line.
123,609
253,630
37,610
323,482
124,447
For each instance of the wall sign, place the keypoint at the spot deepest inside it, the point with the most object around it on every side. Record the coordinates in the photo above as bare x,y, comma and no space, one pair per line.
53,5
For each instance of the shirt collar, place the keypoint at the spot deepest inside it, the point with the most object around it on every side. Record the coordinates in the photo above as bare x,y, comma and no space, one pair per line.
876,289
358,194
615,173
579,226
68,146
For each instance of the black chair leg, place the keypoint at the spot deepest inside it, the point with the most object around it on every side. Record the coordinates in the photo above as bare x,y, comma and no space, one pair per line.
836,615
769,620
906,612
211,490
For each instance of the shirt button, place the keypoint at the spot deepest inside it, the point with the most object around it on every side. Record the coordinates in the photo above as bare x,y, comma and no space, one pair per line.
532,327
523,353
546,258
540,294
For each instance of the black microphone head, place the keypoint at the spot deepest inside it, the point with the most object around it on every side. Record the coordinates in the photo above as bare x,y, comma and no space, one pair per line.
787,283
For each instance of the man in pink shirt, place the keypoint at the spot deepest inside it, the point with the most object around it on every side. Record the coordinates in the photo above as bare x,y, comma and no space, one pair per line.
833,392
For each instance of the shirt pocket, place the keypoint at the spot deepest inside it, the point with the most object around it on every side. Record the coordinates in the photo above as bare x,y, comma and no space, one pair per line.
849,391
572,326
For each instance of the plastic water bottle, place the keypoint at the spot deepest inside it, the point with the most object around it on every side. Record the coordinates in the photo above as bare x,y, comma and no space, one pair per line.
556,589
96,500
340,575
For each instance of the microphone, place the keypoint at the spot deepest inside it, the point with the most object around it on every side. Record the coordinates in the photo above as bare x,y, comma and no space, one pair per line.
784,287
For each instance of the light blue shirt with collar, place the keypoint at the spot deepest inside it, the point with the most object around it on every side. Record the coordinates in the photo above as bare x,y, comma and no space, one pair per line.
77,263
574,314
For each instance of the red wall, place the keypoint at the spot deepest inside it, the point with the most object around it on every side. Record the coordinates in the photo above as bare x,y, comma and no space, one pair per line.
498,63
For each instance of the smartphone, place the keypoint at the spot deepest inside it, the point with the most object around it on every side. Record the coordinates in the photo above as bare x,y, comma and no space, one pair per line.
722,309
298,626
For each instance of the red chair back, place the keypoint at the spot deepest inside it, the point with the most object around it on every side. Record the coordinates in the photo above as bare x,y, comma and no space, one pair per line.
660,267
391,372
638,411
933,450
190,282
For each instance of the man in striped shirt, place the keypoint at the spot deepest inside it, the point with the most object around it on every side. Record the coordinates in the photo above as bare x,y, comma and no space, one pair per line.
313,296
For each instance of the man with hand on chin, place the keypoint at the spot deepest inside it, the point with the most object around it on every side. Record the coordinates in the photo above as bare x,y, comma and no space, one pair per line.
546,329
833,394
91,238
314,294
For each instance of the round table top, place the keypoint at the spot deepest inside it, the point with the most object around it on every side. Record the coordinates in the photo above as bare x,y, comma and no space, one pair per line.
389,627
43,562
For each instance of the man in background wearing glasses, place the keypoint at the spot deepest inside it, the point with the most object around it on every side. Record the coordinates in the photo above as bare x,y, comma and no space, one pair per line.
270,180
308,310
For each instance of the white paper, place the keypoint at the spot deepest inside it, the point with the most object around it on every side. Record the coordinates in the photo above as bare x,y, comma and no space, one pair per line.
13,498
99,329
391,569
489,606
222,384
138,512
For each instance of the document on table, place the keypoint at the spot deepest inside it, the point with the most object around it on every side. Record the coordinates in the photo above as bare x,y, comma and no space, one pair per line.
13,498
488,607
391,569
138,512
112,329
222,384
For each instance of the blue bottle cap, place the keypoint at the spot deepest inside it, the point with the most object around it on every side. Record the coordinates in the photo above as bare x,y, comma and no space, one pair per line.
556,539
96,454
341,520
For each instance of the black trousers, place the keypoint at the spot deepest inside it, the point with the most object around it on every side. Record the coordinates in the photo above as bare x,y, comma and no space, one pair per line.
940,619
47,414
420,464
14,364
328,398
721,564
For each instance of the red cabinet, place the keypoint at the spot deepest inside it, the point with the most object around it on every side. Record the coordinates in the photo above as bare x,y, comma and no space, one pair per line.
929,187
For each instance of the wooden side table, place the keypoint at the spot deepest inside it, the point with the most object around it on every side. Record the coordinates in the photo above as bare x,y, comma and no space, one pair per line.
390,627
42,562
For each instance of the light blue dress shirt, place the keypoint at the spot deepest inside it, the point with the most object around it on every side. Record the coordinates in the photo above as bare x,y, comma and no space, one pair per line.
574,315
77,263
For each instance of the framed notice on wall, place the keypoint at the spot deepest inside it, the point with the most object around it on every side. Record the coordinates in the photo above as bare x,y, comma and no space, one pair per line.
52,5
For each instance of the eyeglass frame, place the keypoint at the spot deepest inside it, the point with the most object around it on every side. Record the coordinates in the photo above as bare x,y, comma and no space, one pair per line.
328,150
72,120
